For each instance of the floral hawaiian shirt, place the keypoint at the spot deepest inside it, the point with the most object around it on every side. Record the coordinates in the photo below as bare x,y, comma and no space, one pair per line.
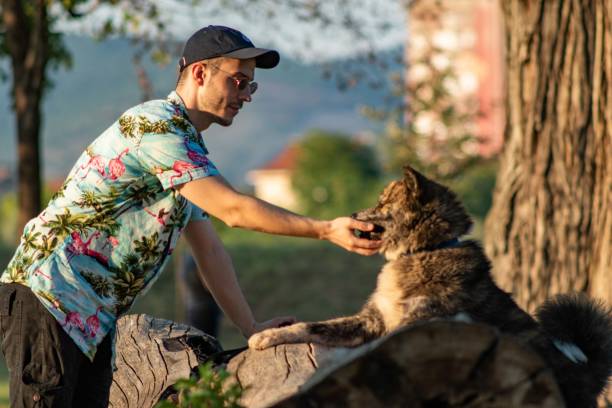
108,232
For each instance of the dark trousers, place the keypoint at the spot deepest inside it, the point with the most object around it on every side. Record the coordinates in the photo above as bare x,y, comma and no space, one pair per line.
46,367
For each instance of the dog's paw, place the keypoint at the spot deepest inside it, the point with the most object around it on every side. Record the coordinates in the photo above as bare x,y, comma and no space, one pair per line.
261,340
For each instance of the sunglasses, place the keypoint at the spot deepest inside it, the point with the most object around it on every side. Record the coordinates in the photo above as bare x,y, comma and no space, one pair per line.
241,84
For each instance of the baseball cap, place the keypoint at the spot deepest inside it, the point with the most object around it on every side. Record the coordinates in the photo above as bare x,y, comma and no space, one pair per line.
219,41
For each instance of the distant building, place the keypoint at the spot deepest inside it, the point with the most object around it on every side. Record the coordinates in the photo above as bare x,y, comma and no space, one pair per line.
272,181
468,38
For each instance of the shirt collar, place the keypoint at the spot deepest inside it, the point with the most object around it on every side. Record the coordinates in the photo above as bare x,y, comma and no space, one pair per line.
177,101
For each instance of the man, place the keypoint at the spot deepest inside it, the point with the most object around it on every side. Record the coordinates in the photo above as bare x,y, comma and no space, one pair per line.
105,236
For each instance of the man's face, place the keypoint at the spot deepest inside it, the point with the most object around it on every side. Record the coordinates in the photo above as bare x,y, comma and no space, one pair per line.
220,97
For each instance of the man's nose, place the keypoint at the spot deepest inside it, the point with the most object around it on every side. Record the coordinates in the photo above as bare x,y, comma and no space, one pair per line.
245,96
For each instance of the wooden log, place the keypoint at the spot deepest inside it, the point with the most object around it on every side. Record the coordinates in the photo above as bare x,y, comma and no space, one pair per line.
151,355
442,363
270,375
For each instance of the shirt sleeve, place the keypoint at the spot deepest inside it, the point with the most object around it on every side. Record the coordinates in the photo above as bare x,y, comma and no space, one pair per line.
198,214
174,158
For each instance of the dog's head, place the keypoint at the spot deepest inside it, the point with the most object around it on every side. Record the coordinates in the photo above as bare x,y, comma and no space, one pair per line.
415,214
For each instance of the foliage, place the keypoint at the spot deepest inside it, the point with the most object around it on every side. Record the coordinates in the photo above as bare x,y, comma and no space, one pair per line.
139,19
474,186
207,390
334,174
430,119
8,215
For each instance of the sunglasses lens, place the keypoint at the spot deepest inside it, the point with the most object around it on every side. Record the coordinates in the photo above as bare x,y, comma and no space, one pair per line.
242,84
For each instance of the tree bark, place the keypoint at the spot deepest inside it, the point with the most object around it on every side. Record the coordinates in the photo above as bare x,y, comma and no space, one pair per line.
27,40
151,355
438,363
550,227
441,364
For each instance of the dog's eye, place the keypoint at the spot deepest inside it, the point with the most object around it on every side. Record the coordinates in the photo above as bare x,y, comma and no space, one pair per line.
385,209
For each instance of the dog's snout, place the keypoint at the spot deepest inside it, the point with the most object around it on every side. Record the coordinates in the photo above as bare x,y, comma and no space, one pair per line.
378,228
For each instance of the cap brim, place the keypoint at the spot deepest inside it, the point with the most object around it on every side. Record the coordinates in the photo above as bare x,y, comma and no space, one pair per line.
264,58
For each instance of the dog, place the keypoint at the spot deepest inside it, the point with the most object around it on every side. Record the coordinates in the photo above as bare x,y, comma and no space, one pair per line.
430,273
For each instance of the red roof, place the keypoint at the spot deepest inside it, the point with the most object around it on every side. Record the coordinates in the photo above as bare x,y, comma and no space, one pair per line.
285,160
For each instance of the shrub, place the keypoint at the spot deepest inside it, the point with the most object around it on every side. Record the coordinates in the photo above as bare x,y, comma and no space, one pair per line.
334,175
475,187
207,390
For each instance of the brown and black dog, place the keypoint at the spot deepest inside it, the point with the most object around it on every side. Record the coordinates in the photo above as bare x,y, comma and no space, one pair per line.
431,274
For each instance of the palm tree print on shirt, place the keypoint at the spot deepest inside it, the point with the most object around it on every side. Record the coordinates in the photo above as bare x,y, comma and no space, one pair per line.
134,127
147,248
102,286
63,224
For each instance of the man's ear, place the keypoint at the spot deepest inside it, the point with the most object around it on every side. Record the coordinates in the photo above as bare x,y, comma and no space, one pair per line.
198,72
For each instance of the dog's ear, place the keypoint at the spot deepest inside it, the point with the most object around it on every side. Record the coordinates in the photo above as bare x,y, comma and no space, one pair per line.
418,187
413,181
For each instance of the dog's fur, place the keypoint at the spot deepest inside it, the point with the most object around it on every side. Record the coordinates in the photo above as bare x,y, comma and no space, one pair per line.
430,274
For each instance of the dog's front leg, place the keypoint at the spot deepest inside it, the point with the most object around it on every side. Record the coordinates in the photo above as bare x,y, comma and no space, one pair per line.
342,332
296,333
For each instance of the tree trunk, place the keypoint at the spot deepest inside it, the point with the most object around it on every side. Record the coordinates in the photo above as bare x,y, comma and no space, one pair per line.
27,40
550,227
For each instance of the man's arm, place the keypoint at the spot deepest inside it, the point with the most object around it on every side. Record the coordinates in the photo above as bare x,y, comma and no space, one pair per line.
217,197
216,269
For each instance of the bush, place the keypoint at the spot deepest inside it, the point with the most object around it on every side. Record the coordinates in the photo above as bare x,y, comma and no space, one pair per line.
8,219
207,390
334,175
475,186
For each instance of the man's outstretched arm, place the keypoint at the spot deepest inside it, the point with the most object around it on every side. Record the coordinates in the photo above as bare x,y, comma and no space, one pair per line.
216,269
217,197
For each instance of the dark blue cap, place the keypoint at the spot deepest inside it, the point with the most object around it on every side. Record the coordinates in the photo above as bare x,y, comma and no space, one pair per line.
219,41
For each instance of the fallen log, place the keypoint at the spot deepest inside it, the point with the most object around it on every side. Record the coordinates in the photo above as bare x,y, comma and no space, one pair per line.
435,364
151,355
440,363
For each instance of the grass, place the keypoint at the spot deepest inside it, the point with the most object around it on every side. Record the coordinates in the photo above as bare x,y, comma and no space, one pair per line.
4,385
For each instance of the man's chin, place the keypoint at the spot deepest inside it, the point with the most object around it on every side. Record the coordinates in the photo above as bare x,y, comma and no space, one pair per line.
222,121
226,122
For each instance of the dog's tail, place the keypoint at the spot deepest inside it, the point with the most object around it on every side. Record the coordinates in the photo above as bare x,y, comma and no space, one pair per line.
582,331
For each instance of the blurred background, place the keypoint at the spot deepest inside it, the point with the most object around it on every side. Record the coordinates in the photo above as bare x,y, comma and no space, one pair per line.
363,87
326,130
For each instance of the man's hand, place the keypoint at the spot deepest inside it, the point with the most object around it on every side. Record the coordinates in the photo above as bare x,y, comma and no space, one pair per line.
270,324
341,233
